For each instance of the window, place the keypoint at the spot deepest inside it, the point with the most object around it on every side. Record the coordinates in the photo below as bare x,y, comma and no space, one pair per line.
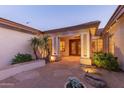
106,43
62,46
100,45
97,45
111,44
94,46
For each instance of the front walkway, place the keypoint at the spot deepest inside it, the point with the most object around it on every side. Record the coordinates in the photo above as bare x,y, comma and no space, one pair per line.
51,76
54,75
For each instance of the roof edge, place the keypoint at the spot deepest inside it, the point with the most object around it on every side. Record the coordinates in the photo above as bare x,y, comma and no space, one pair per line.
75,27
117,13
17,26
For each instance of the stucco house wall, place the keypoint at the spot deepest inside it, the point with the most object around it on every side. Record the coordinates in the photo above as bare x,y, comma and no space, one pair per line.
113,35
11,43
119,41
117,31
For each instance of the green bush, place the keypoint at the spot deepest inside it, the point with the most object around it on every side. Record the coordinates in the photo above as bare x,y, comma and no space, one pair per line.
107,61
21,58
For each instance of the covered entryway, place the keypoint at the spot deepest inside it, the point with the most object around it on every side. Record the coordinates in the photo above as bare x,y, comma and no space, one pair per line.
74,41
70,46
77,44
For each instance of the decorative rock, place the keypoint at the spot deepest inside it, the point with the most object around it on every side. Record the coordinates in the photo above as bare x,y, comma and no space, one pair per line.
69,85
74,82
94,81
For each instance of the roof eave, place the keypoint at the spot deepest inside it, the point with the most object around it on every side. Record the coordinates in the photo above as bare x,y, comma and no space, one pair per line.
77,27
19,27
118,12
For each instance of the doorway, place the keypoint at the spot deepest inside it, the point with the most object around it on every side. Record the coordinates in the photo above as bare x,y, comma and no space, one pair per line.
74,47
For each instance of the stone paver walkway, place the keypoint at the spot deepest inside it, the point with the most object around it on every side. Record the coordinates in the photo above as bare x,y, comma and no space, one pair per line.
54,75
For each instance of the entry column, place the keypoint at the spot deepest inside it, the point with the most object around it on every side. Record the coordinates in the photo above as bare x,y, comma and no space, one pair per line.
55,45
85,48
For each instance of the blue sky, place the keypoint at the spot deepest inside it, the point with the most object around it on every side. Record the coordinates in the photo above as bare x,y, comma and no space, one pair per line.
45,17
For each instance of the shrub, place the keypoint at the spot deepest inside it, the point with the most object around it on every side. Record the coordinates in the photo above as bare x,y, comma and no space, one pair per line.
21,58
107,61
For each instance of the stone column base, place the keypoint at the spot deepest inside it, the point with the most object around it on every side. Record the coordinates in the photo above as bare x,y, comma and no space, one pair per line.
86,61
55,58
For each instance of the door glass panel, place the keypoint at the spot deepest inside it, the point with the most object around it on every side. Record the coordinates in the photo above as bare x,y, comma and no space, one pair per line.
73,48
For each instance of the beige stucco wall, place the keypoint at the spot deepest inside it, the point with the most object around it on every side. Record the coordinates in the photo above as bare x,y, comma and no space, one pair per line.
11,43
118,34
119,42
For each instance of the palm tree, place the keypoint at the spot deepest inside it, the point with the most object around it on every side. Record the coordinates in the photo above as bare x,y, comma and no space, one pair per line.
35,43
44,45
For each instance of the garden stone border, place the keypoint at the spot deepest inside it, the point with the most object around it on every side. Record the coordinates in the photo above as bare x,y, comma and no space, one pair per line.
18,68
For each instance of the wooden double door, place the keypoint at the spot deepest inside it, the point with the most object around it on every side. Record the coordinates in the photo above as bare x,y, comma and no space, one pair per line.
75,47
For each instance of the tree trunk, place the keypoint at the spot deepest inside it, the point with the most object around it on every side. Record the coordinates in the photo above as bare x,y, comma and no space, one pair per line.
48,57
35,53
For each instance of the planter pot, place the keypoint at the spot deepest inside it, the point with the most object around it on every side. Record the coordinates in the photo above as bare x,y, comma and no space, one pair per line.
67,85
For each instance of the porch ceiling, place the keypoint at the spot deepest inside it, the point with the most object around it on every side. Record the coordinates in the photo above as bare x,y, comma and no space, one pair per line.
70,37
